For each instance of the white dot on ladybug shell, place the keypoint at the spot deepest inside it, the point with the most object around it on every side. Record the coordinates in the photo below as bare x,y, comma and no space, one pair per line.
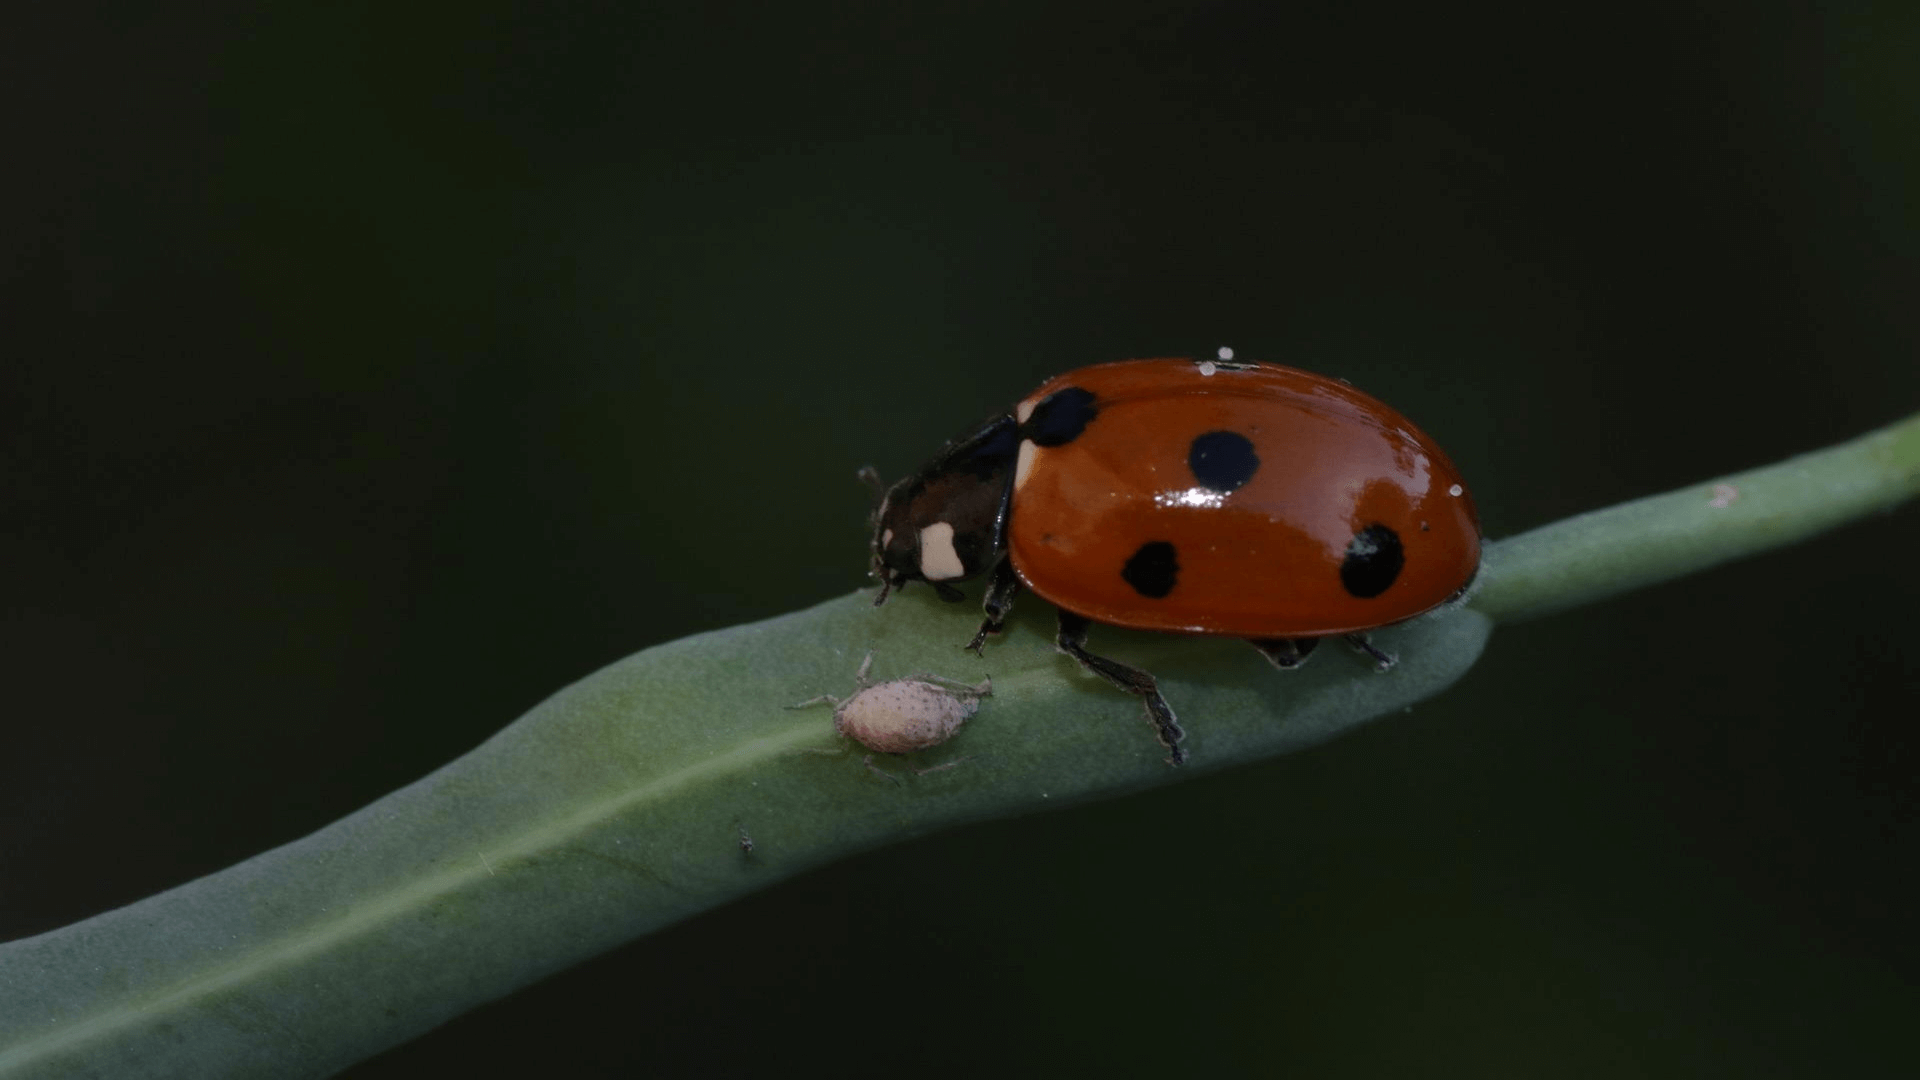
1456,491
938,560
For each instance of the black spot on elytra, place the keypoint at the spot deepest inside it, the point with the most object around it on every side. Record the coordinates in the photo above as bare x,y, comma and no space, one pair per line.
1153,570
1060,417
1222,460
1373,562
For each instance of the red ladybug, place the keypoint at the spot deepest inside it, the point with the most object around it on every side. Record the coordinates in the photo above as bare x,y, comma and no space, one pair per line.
1190,497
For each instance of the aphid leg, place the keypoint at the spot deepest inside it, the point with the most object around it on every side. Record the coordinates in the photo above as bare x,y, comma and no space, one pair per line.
830,751
859,679
1001,589
1073,642
877,770
983,688
1285,653
1382,661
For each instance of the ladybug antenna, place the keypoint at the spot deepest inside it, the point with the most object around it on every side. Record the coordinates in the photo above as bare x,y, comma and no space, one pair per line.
871,477
888,582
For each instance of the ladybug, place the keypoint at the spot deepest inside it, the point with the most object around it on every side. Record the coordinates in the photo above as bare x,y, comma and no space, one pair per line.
1207,497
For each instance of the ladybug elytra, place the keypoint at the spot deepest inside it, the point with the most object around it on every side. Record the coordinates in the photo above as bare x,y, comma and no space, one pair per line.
1193,497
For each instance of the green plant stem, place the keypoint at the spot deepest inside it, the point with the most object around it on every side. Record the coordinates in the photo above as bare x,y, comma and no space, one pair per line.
616,807
1596,555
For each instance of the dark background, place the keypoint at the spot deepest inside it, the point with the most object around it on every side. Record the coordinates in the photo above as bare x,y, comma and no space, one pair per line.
371,371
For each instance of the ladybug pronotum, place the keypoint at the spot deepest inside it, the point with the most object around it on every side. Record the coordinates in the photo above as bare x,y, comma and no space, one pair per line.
1192,497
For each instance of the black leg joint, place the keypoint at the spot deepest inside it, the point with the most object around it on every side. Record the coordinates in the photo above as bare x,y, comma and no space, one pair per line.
1285,653
1002,587
1072,640
1382,660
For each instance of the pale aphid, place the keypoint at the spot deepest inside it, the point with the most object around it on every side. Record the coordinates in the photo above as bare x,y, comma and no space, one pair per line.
899,716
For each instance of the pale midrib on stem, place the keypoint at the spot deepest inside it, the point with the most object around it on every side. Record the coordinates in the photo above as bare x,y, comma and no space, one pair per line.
299,944
1561,565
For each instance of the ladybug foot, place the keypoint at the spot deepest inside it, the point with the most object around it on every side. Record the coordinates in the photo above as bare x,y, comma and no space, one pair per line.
1289,653
1285,653
978,645
1001,590
1382,661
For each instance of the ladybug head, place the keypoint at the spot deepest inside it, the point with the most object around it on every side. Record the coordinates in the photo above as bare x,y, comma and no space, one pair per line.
905,550
947,522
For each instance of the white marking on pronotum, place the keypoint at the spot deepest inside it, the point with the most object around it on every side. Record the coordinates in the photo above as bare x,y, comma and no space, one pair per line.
886,538
938,560
1023,462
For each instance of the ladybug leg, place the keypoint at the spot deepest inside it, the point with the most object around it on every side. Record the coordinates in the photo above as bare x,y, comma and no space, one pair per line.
1001,589
1382,661
1285,653
1073,642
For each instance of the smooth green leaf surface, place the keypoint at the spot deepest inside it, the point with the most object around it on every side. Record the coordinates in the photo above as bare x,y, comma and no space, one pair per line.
618,805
